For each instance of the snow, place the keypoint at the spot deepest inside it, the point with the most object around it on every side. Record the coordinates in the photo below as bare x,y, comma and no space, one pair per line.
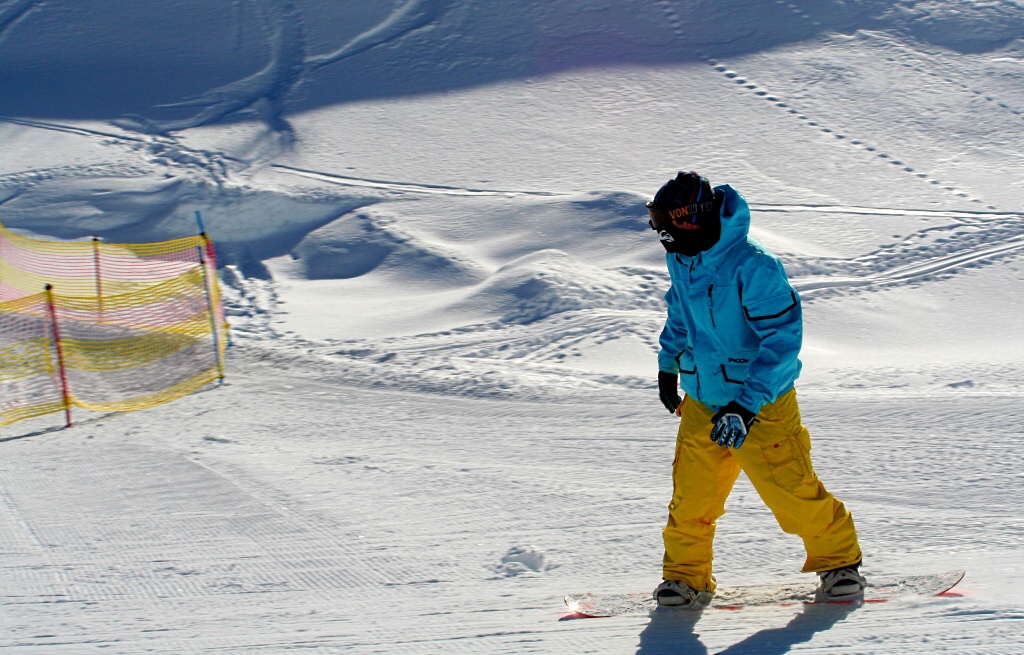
440,413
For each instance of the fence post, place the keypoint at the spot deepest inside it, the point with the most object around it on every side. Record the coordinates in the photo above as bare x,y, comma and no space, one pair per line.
3,262
209,304
98,273
60,354
211,259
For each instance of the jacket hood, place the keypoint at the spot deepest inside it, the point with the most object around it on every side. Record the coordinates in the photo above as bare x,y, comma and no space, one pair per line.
735,217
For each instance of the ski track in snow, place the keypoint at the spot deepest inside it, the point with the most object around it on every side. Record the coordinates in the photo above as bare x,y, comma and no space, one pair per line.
921,62
14,12
160,149
904,273
70,129
411,187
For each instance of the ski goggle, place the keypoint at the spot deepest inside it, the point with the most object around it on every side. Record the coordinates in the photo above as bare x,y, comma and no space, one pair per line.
687,217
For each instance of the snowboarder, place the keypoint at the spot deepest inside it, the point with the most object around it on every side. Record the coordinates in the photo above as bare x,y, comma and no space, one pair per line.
732,341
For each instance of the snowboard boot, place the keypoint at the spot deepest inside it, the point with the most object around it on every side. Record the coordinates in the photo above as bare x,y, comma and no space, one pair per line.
844,583
676,593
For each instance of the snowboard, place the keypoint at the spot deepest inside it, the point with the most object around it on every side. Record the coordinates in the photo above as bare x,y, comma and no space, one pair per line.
879,589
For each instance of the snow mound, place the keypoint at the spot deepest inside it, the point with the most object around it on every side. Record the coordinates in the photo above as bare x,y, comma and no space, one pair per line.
603,228
522,559
373,240
139,202
962,25
544,283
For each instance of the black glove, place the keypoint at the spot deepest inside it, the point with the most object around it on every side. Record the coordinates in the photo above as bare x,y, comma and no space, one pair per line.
668,391
732,423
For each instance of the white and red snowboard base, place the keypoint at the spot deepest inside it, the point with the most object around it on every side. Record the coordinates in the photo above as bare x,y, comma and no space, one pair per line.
879,589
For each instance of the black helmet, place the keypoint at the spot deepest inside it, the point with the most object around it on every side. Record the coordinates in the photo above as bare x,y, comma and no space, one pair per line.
685,213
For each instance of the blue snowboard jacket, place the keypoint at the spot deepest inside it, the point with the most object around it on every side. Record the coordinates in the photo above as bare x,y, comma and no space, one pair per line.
734,325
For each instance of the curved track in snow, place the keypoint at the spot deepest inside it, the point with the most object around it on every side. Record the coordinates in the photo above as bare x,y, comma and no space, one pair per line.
916,271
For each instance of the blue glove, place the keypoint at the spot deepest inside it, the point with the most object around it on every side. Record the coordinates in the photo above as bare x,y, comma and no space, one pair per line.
731,425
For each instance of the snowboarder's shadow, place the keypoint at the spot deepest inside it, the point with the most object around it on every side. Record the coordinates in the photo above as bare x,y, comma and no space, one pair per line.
672,631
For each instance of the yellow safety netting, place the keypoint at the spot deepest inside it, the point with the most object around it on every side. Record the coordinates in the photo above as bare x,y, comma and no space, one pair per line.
121,326
91,269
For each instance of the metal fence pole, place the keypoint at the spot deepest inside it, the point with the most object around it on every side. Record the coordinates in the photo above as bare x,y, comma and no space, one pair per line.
60,354
209,303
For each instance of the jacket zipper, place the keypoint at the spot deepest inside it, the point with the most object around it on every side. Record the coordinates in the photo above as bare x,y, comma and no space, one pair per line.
711,306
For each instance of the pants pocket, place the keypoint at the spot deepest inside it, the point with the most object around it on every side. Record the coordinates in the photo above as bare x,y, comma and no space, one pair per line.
788,462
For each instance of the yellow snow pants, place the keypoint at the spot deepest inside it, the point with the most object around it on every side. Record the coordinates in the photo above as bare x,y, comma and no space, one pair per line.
776,458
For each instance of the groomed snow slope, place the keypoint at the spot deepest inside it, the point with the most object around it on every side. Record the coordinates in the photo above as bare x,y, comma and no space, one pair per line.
440,413
291,511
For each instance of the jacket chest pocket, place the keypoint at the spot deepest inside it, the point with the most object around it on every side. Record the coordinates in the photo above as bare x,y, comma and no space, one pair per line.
724,310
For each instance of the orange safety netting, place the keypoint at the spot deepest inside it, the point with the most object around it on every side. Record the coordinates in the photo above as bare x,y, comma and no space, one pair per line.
109,327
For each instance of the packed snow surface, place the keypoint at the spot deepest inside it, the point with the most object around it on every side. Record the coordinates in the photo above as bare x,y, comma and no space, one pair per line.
440,413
